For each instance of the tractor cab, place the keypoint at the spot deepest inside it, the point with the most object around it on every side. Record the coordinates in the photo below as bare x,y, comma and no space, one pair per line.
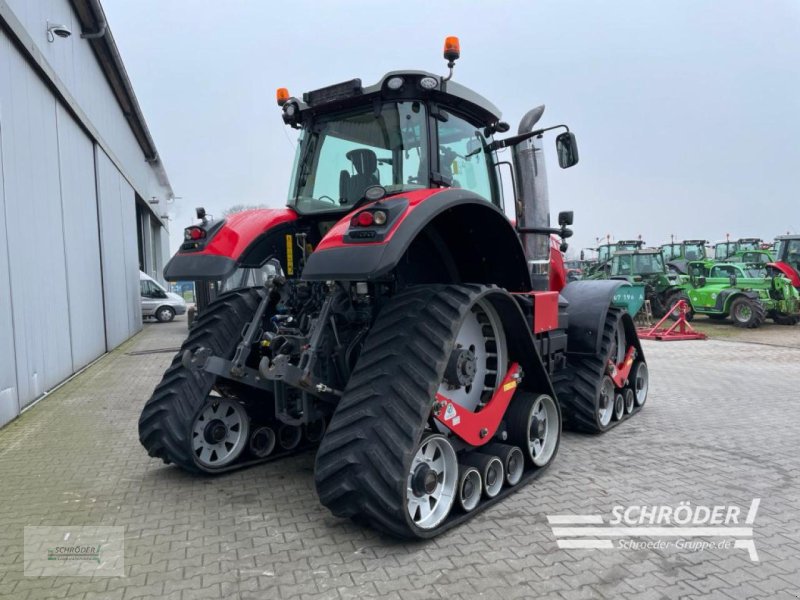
677,255
638,264
403,140
723,250
748,244
607,251
411,131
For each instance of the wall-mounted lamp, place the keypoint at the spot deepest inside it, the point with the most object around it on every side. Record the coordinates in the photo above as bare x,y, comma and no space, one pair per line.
54,30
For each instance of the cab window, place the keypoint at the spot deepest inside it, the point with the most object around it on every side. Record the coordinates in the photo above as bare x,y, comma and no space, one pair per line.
723,271
463,156
150,289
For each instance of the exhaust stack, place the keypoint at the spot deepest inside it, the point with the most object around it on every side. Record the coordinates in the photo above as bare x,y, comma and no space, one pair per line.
533,203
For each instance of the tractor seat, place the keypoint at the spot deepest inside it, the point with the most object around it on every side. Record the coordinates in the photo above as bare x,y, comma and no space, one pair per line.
352,187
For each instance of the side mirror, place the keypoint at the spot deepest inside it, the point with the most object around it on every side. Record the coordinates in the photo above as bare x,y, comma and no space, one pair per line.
565,217
567,148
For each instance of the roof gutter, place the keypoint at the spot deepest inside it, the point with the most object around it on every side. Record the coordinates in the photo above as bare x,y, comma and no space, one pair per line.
95,29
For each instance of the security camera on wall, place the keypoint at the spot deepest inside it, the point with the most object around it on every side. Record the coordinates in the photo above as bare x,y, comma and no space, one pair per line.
53,30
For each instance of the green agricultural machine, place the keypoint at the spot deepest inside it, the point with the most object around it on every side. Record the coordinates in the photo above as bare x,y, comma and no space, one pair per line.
741,292
678,254
645,268
605,252
727,249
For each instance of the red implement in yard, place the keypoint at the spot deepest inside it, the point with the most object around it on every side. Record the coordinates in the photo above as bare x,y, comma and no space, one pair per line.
680,330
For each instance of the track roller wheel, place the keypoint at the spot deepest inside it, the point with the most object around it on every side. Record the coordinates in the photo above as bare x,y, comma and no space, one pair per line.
534,424
619,406
630,397
470,486
219,433
512,458
640,382
289,436
432,482
491,470
262,442
605,402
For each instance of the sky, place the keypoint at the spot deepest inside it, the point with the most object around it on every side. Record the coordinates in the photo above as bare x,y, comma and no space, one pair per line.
687,113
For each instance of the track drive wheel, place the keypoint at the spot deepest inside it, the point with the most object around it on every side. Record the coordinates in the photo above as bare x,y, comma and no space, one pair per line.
372,465
167,425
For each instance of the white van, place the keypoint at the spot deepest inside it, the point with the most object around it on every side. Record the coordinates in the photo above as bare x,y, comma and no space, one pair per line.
158,302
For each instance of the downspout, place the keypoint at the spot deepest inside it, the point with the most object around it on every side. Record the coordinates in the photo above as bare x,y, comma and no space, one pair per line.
101,22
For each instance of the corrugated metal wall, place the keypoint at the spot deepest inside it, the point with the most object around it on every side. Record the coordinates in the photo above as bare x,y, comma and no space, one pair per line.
81,242
119,252
35,235
9,404
69,285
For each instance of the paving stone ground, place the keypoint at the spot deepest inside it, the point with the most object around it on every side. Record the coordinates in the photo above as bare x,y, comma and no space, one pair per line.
721,426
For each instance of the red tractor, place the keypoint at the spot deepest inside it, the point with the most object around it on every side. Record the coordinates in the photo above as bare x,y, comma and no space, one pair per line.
787,257
408,328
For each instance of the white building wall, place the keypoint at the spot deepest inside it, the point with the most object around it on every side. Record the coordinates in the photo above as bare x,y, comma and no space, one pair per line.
81,241
120,257
9,401
69,287
35,236
75,65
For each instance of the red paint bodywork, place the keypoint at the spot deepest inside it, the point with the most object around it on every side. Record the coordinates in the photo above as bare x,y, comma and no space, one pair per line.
545,310
468,425
558,272
241,229
335,237
788,271
619,373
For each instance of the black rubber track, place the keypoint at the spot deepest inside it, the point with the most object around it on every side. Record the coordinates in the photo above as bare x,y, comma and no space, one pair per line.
578,385
362,462
165,422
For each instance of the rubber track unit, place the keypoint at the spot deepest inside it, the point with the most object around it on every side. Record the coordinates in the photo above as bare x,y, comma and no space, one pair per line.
363,460
578,385
165,422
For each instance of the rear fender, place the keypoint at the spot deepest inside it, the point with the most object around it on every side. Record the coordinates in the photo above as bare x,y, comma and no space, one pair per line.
447,236
726,297
243,238
788,271
589,302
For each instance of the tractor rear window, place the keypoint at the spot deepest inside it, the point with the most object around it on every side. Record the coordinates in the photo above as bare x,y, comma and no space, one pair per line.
341,156
793,253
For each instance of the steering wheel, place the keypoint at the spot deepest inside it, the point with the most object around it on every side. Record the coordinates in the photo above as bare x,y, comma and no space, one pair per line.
328,198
